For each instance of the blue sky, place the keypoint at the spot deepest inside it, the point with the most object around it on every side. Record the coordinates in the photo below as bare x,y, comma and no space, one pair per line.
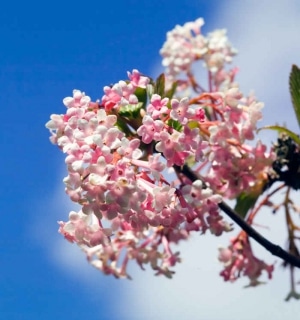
47,50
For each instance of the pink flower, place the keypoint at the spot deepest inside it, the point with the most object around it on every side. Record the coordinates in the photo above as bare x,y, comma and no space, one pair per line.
162,197
219,50
84,229
239,260
149,129
180,110
78,100
120,94
137,79
183,46
158,107
169,145
130,148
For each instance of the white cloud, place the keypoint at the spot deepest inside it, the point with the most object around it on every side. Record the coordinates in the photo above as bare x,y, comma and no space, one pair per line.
266,33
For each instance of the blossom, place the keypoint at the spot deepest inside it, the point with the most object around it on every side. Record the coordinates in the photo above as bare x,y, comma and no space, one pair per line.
238,259
219,50
184,45
120,94
150,128
78,100
137,79
84,229
169,145
158,107
180,110
117,160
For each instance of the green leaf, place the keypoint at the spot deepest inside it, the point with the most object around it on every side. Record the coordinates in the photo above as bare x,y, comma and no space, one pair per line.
295,90
280,129
131,111
122,125
193,124
175,124
159,87
141,94
244,202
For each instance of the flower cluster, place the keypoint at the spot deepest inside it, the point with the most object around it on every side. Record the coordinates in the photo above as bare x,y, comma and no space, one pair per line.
232,118
186,44
127,204
239,259
119,150
232,158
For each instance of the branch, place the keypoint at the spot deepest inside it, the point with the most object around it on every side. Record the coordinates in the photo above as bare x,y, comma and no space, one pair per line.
271,247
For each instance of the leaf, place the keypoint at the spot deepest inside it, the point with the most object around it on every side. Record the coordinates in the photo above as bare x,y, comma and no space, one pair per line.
193,124
141,94
294,82
280,129
174,124
159,87
121,124
244,202
131,111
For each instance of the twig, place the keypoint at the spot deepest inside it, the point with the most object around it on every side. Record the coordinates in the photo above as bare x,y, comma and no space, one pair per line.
274,249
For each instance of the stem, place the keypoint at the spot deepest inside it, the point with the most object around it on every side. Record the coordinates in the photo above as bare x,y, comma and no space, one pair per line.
274,249
262,203
195,85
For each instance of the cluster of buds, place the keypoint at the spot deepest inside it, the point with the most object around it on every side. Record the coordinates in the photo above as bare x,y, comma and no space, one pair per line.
120,151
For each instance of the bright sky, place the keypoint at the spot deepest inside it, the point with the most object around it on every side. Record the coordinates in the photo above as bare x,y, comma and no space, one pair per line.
48,49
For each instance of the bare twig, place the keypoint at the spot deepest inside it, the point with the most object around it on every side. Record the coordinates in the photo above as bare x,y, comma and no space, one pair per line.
274,249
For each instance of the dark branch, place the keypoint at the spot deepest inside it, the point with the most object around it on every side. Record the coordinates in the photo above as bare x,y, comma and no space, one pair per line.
271,247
